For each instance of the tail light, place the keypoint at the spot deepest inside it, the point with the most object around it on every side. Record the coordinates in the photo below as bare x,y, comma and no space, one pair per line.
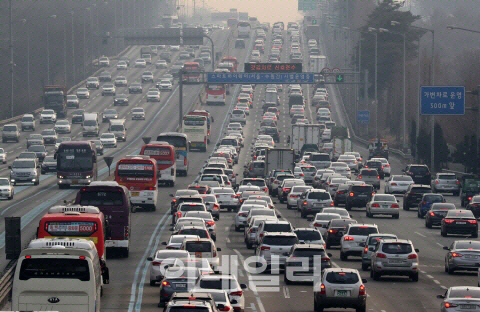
378,177
210,223
381,255
387,165
325,259
450,305
216,207
365,250
393,184
237,195
351,194
432,214
317,224
412,256
293,196
382,167
456,255
224,309
237,293
331,204
286,190
332,231
322,289
215,253
165,284
232,196
179,214
264,247
151,188
205,140
169,247
348,238
265,189
261,235
458,182
361,291
217,196
126,231
375,205
469,197
424,202
449,221
436,182
156,263
395,206
301,174
472,221
185,161
174,200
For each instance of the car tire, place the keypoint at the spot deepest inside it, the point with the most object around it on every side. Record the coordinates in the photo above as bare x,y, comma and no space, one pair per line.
237,228
444,233
475,234
36,183
428,224
361,309
376,275
10,197
285,279
397,216
364,267
456,193
288,206
348,207
414,277
153,283
405,206
343,256
249,245
327,245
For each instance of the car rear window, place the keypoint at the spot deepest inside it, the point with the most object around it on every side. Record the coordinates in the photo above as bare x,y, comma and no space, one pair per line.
320,157
256,182
319,195
308,169
342,278
201,233
224,284
433,198
447,177
443,206
375,239
397,248
459,214
341,223
369,173
419,170
362,189
308,235
193,200
421,190
101,198
374,164
280,240
308,252
364,231
465,293
280,227
191,309
259,165
198,246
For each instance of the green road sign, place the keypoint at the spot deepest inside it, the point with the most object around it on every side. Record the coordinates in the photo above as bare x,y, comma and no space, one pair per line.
307,5
314,22
339,78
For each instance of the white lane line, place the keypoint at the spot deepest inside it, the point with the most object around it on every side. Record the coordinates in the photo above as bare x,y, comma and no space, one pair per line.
420,234
383,311
436,282
335,265
228,240
227,229
259,301
439,244
253,307
429,276
286,292
443,287
423,272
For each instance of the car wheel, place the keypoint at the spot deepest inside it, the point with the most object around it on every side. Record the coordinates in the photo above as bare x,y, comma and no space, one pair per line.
237,228
153,283
327,245
444,233
376,275
343,256
396,216
348,207
288,206
364,267
428,224
475,234
361,309
249,245
285,279
414,277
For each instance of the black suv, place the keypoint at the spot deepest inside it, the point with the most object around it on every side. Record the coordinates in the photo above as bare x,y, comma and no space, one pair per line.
271,131
166,56
414,194
359,196
419,173
373,164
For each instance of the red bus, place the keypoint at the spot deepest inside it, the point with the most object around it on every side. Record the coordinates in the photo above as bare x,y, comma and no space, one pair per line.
112,199
139,175
164,154
231,59
86,222
76,163
215,94
227,65
194,68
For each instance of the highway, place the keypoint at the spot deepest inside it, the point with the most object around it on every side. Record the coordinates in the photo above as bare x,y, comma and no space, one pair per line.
129,288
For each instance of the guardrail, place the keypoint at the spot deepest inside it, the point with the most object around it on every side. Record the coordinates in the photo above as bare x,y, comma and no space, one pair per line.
6,282
38,110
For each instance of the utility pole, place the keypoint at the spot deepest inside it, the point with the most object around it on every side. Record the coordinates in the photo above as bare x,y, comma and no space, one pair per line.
73,51
12,64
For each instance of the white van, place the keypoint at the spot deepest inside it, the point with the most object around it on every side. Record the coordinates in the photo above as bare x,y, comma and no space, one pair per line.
117,127
61,274
90,125
202,248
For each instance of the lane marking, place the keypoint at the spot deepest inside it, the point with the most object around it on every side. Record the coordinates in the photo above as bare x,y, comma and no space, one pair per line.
429,276
436,282
286,292
423,272
259,301
439,244
420,234
443,287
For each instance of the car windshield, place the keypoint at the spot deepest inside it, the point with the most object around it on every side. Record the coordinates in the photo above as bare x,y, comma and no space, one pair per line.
23,164
309,252
397,248
447,177
342,278
308,235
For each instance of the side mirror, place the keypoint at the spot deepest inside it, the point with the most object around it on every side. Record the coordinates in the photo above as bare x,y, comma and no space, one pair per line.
446,248
171,195
441,296
150,259
416,250
364,280
9,167
243,286
329,254
164,243
215,219
371,248
310,218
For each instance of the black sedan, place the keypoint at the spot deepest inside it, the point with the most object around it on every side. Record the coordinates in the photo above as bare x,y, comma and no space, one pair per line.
437,212
460,221
49,164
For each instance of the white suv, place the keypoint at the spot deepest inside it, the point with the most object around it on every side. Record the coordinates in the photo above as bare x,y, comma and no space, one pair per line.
226,197
394,257
352,243
340,288
238,115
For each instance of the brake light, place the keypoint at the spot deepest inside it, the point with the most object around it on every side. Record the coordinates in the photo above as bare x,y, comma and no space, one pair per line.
361,291
360,176
351,194
472,221
224,309
179,214
381,255
293,196
165,284
348,238
156,263
305,203
151,188
378,177
456,255
449,221
470,198
375,206
395,206
325,259
412,256
365,250
317,224
264,247
169,247
238,293
286,190
322,289
185,161
393,184
332,231
174,200
215,207
126,231
340,192
301,174
210,223
432,214
458,182
450,305
436,182
331,204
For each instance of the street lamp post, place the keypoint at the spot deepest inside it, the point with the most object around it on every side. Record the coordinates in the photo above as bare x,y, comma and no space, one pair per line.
374,30
48,49
73,50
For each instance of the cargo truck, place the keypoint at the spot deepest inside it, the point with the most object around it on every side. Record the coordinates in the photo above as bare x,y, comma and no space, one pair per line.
55,97
306,138
279,158
341,141
312,32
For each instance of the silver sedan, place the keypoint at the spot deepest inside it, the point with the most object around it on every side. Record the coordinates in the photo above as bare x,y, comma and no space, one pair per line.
384,205
398,184
460,298
462,255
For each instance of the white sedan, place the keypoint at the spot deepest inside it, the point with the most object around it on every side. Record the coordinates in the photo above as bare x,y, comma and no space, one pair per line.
6,188
398,184
108,140
384,205
63,126
153,96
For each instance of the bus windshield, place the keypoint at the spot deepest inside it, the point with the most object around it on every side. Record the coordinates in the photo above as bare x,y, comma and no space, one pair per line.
176,141
101,198
74,159
54,268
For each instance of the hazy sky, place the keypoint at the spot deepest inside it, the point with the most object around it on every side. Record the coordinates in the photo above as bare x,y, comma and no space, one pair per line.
265,10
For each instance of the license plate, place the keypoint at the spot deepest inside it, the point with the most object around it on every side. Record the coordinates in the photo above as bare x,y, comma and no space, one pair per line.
319,205
342,293
384,206
460,222
180,285
74,181
362,195
470,257
395,261
135,193
467,306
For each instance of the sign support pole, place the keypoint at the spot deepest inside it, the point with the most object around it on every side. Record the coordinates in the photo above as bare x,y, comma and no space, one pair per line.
180,101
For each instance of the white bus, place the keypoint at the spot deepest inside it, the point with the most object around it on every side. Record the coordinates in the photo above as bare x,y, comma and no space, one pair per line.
196,129
58,274
243,29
